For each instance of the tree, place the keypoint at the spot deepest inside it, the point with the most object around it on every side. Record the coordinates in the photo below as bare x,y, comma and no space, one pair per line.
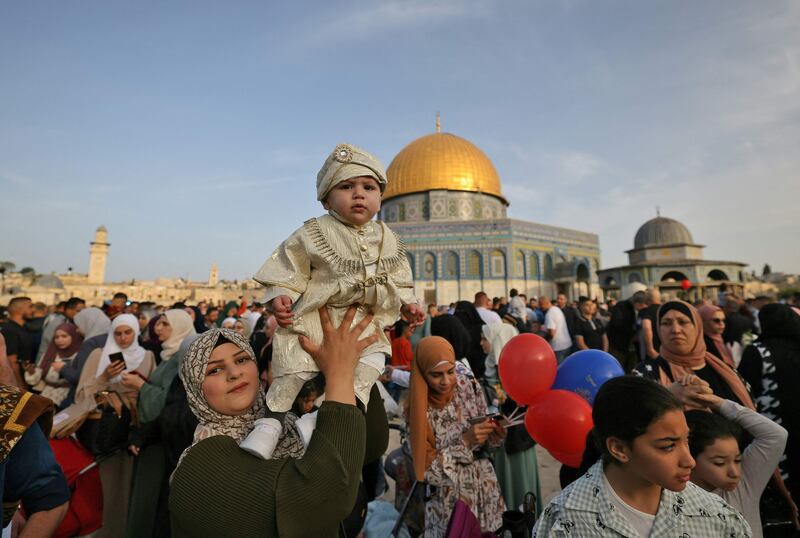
767,270
27,271
7,267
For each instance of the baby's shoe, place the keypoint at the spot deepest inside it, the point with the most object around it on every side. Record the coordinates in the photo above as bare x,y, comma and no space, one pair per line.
263,439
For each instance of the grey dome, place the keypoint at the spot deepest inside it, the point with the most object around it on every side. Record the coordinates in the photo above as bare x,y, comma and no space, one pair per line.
49,281
662,231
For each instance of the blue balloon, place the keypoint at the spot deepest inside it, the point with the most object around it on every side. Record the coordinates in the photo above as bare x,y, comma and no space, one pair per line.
585,372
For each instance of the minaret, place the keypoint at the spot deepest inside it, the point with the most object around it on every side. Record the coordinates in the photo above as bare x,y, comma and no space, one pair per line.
98,254
213,276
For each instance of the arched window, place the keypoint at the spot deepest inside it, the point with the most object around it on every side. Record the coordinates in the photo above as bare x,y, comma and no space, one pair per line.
519,264
716,274
429,266
674,276
411,263
634,277
452,267
548,267
611,281
498,263
534,266
474,264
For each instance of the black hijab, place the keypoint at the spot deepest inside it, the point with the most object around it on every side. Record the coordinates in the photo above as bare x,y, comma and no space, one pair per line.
779,321
452,330
466,313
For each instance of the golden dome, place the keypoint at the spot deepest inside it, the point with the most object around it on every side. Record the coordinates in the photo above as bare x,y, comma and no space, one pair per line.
442,161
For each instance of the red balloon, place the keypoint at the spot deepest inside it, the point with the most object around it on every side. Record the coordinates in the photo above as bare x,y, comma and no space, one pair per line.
559,420
686,284
527,367
570,460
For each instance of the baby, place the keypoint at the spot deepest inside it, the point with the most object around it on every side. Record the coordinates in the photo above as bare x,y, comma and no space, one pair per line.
336,260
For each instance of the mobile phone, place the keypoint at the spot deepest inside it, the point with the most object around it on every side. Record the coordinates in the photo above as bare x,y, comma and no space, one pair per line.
116,357
478,420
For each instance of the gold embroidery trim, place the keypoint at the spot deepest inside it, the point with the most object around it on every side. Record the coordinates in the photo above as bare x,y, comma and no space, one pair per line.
11,423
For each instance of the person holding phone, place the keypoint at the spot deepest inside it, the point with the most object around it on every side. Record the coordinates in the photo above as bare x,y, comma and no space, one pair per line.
450,431
104,371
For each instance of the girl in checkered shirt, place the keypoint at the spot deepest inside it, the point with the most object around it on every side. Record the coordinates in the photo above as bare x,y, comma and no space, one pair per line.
640,485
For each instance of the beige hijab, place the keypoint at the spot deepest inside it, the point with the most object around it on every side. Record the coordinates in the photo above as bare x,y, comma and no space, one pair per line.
182,326
431,352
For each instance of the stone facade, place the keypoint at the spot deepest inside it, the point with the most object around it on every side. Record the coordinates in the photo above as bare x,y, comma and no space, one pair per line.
460,243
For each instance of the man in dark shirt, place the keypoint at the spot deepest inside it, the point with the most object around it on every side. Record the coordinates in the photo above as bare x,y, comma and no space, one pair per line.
649,341
589,333
736,324
19,345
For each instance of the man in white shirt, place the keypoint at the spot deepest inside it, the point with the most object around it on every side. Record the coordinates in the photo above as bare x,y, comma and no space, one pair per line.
483,306
556,326
517,306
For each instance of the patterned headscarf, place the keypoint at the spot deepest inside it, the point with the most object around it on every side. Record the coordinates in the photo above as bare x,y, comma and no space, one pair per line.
193,373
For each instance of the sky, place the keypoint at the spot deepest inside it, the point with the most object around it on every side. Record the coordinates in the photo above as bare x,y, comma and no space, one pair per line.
194,130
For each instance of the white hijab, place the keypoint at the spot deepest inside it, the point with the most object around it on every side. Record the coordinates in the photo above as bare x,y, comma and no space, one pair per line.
92,321
133,354
228,323
250,319
182,326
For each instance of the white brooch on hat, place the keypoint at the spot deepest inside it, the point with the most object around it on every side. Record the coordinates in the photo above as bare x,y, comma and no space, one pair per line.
343,153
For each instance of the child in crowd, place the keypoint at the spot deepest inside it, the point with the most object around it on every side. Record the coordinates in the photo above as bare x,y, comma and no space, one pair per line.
640,486
736,476
338,259
307,397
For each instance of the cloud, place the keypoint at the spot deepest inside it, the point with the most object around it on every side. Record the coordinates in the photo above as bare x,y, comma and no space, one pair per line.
578,165
14,178
374,18
233,184
523,195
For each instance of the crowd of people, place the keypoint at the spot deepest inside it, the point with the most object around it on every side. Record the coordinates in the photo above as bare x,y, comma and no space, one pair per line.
144,363
272,419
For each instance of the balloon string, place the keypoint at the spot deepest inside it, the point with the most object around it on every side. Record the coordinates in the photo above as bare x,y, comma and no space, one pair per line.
510,417
516,420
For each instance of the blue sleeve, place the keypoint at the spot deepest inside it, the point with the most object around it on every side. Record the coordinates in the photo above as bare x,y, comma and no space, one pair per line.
33,475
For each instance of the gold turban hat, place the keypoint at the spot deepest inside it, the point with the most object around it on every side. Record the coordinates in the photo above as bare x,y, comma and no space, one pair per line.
347,162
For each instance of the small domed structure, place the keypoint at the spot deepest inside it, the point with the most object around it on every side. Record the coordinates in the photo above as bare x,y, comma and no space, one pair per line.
662,231
49,281
664,255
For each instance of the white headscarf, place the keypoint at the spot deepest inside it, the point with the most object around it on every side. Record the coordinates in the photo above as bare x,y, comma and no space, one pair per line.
182,326
92,321
228,323
133,354
250,319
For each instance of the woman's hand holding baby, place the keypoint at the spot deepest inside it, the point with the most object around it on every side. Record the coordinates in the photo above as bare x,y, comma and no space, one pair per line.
282,308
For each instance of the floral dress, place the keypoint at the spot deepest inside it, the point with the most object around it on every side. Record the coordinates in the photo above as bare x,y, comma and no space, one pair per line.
458,472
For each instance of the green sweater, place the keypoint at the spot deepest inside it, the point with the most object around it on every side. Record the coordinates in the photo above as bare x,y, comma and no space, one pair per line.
221,490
